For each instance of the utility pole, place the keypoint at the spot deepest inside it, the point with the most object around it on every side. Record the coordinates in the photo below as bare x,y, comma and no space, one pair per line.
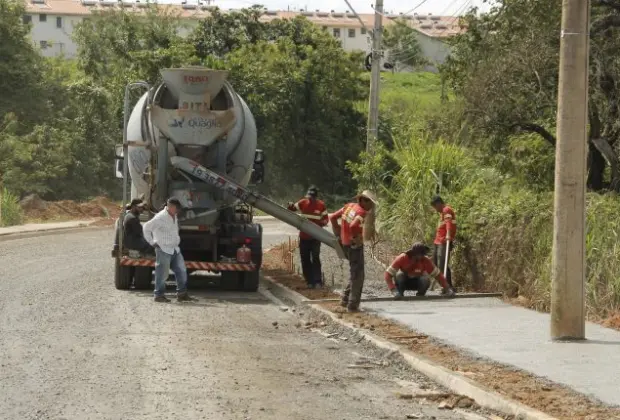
375,78
569,219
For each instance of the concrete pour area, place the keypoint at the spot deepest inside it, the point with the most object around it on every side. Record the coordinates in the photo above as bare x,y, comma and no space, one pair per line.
518,337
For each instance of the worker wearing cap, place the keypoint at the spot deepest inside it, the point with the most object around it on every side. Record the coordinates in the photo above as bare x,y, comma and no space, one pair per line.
314,210
446,232
410,270
133,236
356,222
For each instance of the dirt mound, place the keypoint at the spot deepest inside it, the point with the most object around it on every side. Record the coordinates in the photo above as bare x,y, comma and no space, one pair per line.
37,209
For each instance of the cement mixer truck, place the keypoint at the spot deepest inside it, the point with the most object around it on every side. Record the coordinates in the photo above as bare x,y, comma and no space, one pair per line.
193,137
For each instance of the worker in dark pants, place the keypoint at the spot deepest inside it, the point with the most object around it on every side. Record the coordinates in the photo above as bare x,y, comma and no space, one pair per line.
355,218
444,237
313,209
133,236
411,270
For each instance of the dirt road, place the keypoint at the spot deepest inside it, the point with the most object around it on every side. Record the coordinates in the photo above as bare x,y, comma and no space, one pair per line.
73,347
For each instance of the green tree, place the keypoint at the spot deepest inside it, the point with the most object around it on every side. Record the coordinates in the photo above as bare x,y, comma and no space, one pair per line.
22,68
303,90
505,70
401,43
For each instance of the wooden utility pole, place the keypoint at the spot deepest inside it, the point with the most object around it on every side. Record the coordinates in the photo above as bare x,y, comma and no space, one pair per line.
569,219
375,78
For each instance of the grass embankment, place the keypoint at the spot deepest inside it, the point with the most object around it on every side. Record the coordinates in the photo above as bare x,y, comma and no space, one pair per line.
505,223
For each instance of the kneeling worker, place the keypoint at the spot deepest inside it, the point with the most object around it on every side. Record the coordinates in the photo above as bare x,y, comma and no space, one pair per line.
409,270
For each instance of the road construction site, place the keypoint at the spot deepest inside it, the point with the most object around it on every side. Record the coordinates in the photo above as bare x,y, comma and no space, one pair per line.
503,348
73,347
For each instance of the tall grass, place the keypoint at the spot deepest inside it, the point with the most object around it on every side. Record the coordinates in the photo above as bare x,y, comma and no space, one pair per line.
11,211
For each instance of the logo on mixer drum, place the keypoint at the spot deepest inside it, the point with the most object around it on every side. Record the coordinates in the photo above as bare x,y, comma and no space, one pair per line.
190,80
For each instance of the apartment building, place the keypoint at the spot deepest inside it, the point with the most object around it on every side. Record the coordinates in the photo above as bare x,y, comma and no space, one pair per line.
53,22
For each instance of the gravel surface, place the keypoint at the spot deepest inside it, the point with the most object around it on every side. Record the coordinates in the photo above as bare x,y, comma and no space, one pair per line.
73,347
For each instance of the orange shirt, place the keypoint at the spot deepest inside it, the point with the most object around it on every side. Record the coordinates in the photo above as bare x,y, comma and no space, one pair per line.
315,211
447,224
351,217
412,269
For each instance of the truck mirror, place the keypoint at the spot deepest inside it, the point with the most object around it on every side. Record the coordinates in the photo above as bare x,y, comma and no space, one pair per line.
118,151
258,174
259,157
118,167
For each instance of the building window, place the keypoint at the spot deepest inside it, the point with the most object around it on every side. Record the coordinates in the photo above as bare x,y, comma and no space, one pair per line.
26,19
59,22
43,44
363,31
337,32
42,18
351,33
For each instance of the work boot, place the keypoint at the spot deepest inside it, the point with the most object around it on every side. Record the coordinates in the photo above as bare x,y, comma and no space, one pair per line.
448,292
344,303
397,294
353,309
184,297
162,299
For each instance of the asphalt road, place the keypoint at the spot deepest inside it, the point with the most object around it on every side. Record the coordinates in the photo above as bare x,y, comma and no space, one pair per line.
74,347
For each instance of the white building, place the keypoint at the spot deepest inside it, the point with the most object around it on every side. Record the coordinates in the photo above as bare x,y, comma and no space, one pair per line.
53,22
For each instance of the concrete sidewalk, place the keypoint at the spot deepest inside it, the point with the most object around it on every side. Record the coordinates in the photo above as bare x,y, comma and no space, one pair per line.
44,227
518,337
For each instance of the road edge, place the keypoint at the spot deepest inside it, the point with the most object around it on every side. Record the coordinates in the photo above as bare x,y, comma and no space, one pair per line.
48,232
445,377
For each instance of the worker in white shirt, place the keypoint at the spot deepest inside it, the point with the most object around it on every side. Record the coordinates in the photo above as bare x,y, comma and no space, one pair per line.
162,232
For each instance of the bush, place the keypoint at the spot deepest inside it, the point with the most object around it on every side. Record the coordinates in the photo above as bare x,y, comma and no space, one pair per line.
11,211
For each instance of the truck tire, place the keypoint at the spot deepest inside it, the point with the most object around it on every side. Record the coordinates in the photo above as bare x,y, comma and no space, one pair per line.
122,276
142,278
250,281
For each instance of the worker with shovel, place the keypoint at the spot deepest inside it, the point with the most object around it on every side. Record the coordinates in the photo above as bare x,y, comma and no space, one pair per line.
446,231
356,226
411,270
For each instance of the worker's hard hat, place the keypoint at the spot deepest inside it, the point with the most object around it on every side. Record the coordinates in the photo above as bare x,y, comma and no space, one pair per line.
369,195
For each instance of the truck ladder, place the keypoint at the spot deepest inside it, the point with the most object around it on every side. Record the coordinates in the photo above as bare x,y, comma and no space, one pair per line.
259,201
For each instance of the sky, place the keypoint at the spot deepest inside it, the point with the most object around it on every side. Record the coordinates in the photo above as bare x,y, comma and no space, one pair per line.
437,7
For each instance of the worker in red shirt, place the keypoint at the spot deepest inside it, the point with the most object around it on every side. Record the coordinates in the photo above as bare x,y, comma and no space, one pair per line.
314,210
446,232
356,221
411,269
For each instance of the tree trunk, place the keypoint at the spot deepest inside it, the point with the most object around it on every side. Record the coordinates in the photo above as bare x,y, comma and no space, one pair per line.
596,169
610,157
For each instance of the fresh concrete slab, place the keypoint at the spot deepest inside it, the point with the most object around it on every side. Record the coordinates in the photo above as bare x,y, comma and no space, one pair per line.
518,337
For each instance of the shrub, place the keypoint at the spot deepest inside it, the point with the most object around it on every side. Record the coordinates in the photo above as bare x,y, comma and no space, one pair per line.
11,211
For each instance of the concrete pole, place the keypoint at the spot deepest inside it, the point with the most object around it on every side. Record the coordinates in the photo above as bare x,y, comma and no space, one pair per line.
375,78
569,224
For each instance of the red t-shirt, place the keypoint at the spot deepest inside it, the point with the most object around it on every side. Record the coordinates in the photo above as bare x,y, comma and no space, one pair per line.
412,268
315,211
351,217
447,223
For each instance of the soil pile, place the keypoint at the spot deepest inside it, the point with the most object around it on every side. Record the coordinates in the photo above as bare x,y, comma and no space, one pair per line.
37,209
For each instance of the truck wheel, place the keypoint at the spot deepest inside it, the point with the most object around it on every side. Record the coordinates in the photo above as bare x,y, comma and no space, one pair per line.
142,278
250,281
122,276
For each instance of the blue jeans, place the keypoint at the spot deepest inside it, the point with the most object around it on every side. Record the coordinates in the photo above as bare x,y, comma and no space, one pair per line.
165,262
